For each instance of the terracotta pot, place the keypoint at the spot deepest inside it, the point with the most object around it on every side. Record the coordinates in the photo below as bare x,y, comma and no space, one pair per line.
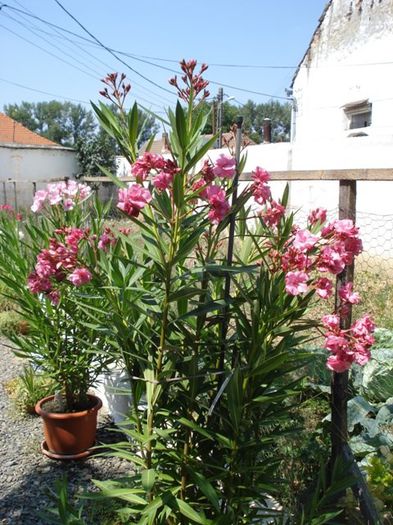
68,435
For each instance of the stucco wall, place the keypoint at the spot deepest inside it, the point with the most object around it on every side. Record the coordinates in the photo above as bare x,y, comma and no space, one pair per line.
26,165
350,59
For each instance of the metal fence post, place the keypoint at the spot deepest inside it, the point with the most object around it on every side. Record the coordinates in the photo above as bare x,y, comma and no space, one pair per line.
15,195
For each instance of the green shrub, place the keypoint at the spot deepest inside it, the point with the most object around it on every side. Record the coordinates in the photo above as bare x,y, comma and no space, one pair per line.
6,303
27,389
10,323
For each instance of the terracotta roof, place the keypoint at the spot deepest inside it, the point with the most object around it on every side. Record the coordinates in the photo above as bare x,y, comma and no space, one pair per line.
11,132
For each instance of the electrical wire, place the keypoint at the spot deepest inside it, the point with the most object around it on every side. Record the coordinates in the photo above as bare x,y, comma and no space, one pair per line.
129,55
97,73
110,68
110,51
44,92
46,51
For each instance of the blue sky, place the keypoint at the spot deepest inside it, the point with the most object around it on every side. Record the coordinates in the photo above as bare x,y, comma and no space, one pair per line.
226,32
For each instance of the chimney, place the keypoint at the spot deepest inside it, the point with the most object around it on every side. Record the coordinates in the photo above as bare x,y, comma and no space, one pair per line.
165,142
267,131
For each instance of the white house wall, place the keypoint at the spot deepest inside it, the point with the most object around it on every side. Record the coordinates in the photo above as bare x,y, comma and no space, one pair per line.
26,165
350,59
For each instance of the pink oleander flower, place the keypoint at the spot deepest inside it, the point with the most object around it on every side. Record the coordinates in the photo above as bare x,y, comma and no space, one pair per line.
330,260
345,228
162,180
324,287
54,297
133,199
106,240
225,167
294,260
145,164
66,194
272,216
331,322
219,206
207,172
347,294
296,283
336,342
74,236
317,215
80,276
260,189
38,284
362,354
200,186
305,241
363,326
339,362
39,200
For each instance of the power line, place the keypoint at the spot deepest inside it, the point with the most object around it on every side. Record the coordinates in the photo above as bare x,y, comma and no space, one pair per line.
52,44
43,92
110,51
115,53
46,51
99,75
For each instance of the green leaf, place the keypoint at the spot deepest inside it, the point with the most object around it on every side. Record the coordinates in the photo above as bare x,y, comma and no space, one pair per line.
183,293
121,493
235,399
148,479
118,182
181,128
190,513
178,190
206,487
200,153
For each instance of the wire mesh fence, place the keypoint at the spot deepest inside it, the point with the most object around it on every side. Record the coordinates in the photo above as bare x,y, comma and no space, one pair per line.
374,267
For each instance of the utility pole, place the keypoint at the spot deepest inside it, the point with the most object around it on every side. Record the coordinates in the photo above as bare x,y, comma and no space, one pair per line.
220,110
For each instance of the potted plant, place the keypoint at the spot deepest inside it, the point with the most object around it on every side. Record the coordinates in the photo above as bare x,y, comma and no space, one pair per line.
49,268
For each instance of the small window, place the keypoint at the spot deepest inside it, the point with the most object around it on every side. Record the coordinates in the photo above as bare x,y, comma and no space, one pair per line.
358,114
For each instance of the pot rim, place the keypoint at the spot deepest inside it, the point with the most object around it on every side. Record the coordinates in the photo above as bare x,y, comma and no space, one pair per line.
66,415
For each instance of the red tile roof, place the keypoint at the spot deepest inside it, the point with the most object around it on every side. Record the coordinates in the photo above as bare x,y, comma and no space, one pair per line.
11,132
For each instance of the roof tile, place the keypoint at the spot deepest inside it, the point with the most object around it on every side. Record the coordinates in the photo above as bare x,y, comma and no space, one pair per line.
13,132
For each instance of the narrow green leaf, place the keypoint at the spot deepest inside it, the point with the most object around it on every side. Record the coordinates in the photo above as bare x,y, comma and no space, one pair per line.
190,513
148,479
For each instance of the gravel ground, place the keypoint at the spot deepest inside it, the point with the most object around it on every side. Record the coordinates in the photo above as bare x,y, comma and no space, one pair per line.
25,474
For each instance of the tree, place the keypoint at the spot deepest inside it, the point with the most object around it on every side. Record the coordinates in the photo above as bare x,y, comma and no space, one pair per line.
62,122
253,115
96,151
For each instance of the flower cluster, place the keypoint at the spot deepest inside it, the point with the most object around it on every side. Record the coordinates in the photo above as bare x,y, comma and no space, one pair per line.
118,89
9,210
194,82
348,346
260,187
133,199
308,254
65,194
328,251
163,170
59,263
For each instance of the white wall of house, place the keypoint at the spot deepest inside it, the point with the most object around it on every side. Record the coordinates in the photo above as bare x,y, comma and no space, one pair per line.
29,164
349,60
